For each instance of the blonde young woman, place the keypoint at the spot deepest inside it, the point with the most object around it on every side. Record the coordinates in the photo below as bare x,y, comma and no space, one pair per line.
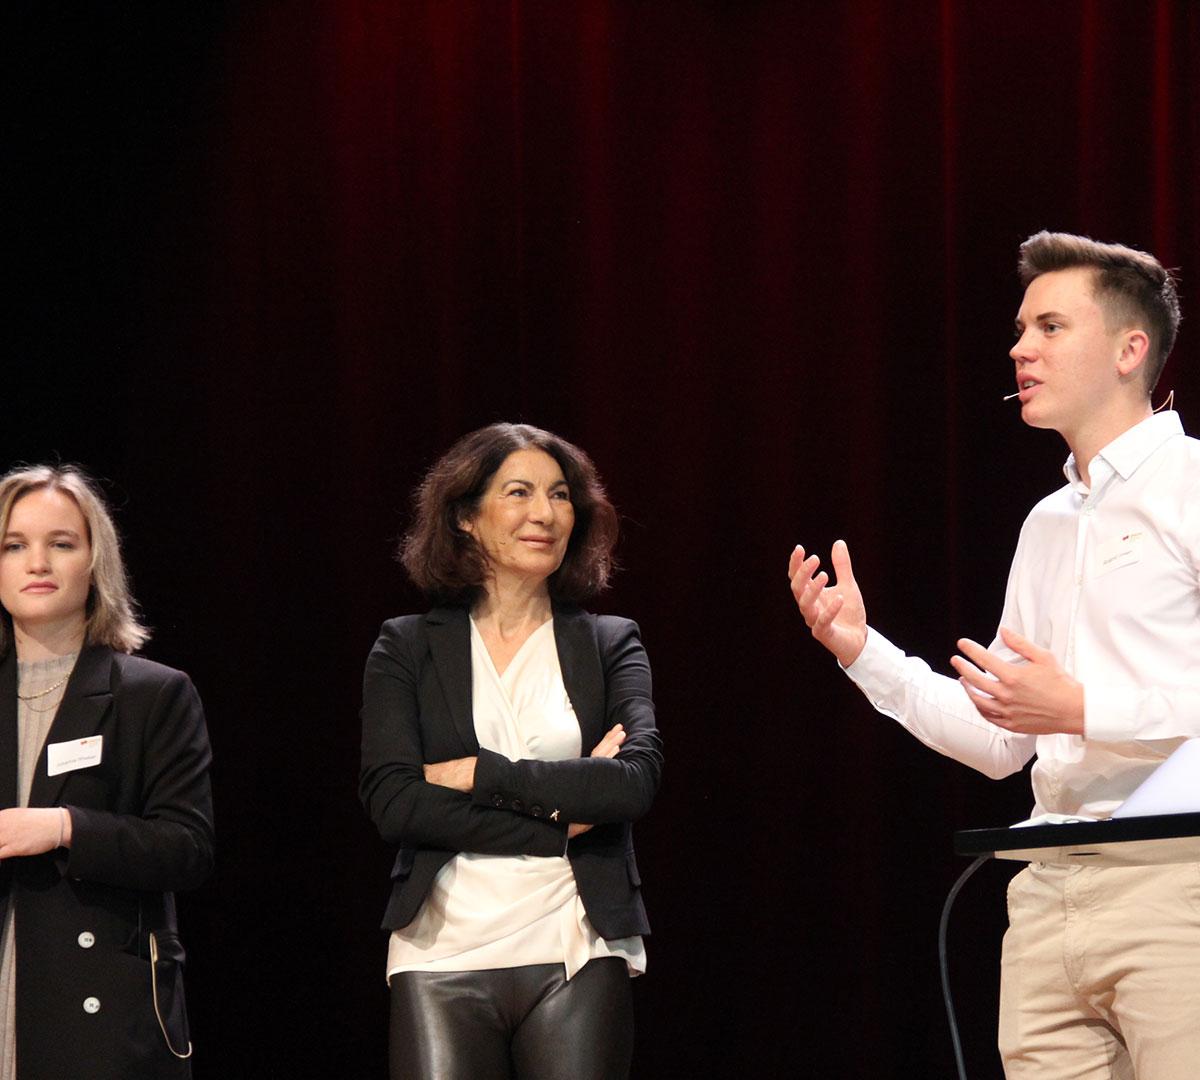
509,742
105,805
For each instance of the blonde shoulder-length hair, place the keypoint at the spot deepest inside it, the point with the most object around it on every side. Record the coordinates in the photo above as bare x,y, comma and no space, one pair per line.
111,616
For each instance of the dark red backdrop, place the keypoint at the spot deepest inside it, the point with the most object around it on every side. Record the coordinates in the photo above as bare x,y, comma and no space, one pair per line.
756,258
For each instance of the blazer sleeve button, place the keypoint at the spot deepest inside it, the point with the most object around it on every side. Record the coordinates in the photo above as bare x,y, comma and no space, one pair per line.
91,1005
517,805
536,810
86,940
498,801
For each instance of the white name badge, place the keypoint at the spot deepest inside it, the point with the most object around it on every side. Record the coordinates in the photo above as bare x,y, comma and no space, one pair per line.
64,757
1119,551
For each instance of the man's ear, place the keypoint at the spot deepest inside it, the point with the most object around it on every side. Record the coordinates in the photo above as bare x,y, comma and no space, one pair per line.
1134,351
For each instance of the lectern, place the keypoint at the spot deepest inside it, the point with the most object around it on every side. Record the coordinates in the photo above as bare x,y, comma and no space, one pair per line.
1129,841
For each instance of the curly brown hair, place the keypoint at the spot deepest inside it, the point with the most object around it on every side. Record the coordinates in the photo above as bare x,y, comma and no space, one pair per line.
1131,286
446,562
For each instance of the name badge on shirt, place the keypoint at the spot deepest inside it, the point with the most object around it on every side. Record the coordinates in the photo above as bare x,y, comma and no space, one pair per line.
64,757
1119,551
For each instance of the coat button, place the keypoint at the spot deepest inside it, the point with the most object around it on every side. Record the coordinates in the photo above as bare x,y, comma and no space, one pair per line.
498,800
86,940
536,810
91,1005
517,805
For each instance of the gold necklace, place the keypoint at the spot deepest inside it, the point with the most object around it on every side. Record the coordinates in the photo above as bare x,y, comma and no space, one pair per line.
48,705
43,693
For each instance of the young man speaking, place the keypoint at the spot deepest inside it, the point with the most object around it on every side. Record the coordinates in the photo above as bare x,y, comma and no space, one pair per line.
1096,670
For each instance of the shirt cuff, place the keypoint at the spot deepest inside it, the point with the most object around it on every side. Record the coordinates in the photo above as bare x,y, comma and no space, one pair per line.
1110,714
875,669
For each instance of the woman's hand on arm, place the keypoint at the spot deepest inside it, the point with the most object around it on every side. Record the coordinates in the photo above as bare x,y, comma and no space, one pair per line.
609,746
33,830
605,748
458,774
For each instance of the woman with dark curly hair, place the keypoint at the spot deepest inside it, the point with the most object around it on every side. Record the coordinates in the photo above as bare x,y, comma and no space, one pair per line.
516,916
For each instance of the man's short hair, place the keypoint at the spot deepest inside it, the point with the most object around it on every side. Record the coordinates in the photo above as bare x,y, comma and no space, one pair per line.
1132,287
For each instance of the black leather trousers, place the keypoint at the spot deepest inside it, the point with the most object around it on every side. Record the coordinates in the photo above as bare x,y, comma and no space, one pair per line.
522,1023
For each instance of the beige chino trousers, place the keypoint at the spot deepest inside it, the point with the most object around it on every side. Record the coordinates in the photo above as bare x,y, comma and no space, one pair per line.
1100,975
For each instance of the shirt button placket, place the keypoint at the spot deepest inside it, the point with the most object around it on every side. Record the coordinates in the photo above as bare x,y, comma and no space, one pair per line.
1083,524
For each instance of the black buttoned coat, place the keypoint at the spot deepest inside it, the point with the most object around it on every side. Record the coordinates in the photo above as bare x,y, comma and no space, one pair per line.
417,709
141,829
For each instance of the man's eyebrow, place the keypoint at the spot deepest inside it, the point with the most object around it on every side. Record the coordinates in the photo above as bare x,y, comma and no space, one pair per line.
1045,316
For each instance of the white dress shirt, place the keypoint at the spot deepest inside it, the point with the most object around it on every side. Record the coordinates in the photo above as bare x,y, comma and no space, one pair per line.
1108,579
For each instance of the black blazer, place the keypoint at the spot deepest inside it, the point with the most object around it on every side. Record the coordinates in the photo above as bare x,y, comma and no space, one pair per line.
417,709
141,828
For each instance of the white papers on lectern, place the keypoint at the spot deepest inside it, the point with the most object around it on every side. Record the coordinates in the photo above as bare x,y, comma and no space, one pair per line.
1173,788
1054,819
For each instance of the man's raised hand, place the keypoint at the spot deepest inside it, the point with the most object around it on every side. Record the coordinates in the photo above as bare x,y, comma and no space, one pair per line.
835,613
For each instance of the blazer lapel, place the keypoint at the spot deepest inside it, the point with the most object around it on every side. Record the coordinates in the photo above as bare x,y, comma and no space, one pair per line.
8,728
579,659
87,699
449,633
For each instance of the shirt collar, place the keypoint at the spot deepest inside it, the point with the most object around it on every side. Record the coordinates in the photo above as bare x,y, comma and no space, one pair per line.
1129,449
